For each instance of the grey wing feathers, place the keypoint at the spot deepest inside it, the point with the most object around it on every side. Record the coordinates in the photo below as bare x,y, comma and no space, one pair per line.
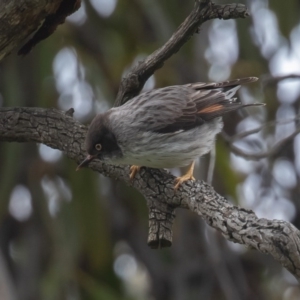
175,108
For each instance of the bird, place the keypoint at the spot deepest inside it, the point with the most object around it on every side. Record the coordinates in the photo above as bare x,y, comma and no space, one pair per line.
163,128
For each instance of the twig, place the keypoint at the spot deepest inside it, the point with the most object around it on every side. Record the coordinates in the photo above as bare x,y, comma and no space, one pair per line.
273,80
257,156
211,165
133,82
241,135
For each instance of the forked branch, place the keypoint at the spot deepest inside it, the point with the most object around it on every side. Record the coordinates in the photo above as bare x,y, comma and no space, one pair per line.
203,11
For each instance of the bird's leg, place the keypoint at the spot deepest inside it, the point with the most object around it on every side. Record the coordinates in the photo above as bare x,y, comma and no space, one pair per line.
185,177
133,170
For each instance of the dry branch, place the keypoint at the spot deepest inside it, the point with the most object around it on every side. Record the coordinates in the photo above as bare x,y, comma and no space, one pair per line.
203,11
269,80
60,131
19,19
272,152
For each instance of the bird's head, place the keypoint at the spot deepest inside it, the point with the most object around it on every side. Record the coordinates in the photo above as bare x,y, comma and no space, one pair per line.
100,141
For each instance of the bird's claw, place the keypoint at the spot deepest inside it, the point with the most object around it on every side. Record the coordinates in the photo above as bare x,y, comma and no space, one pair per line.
182,179
133,170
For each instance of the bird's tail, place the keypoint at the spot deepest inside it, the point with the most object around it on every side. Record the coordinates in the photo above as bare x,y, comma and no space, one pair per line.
216,99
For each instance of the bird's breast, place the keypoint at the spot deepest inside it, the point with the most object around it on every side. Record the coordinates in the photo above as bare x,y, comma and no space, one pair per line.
150,149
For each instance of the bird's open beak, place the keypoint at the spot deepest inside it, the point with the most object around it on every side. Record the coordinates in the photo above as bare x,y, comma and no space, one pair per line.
85,162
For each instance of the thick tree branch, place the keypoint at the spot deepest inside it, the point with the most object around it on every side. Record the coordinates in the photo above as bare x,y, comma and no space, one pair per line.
59,130
20,19
133,82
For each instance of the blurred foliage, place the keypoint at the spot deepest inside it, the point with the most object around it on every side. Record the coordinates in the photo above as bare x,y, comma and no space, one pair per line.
78,235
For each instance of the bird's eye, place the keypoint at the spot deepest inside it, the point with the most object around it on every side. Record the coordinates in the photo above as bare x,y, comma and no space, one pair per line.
98,147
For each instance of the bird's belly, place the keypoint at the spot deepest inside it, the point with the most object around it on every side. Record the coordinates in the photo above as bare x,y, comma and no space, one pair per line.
168,157
169,150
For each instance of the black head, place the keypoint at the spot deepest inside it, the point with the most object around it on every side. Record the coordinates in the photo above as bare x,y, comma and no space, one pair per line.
100,141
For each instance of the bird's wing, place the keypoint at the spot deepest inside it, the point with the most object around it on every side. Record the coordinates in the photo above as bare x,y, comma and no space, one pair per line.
176,108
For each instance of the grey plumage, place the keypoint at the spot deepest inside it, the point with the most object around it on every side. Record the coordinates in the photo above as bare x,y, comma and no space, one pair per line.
164,128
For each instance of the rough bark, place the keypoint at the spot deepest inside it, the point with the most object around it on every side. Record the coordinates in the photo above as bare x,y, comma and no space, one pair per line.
19,19
60,131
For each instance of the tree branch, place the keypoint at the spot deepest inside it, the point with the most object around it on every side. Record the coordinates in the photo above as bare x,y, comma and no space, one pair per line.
20,19
273,123
272,152
269,80
133,82
50,24
59,130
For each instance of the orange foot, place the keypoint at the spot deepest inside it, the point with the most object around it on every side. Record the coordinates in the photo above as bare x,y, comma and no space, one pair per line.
133,170
186,177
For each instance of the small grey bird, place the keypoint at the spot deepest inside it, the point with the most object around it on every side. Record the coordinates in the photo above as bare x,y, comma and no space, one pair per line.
163,128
